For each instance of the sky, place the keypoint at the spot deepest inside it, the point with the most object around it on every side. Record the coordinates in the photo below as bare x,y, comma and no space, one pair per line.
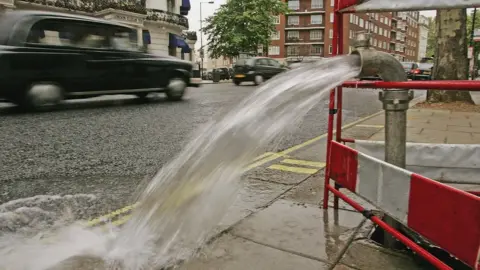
209,9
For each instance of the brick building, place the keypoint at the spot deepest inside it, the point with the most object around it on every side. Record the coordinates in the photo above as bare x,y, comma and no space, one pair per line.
306,32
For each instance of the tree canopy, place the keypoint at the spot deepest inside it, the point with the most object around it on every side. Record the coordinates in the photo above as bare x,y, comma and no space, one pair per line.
241,26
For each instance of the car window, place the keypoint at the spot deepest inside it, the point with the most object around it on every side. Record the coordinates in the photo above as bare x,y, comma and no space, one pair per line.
273,63
425,65
68,33
249,62
407,65
262,62
124,39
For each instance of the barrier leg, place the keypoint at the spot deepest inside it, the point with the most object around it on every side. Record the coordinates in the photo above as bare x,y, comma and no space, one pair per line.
395,104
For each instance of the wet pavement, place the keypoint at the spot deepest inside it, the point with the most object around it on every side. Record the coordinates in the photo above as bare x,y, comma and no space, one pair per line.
107,147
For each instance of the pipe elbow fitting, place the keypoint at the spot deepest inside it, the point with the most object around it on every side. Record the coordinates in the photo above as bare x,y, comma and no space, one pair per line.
379,63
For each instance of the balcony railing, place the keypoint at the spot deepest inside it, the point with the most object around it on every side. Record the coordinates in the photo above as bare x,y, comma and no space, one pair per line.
165,16
135,6
301,40
92,6
304,25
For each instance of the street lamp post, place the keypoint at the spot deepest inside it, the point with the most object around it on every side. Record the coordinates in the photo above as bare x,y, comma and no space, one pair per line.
201,38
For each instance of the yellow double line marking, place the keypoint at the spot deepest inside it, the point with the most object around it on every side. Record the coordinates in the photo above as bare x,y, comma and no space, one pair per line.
296,169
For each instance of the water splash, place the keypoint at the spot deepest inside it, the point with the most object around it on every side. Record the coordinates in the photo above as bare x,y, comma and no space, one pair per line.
188,197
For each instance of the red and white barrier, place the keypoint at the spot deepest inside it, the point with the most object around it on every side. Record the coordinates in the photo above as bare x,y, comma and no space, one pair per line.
451,163
446,216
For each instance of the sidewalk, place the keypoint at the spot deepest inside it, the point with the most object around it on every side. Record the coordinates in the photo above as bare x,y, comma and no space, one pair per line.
210,82
277,222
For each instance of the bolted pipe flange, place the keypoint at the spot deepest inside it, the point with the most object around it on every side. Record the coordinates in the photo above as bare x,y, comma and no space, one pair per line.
396,99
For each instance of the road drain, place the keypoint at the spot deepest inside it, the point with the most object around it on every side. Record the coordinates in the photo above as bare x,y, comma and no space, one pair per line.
377,237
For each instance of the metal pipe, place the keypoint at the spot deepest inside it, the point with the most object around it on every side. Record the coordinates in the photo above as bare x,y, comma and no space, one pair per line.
395,103
466,85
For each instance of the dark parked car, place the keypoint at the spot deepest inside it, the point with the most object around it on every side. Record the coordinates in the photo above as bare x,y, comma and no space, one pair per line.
46,57
422,72
409,67
256,70
222,73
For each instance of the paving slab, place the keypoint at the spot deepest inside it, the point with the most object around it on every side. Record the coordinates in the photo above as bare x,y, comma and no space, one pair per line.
234,253
311,192
300,228
364,255
252,196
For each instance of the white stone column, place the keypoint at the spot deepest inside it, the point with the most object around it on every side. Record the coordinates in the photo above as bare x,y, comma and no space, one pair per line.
191,44
140,37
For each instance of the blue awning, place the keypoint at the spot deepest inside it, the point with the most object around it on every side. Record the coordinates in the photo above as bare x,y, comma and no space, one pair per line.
185,7
178,42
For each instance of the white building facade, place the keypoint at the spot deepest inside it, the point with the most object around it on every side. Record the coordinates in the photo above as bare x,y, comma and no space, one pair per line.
160,23
423,36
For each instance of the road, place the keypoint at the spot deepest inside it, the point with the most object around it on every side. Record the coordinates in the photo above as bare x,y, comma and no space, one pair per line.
108,146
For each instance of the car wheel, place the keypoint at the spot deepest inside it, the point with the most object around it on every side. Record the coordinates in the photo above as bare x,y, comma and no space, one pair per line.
237,82
39,94
258,79
176,88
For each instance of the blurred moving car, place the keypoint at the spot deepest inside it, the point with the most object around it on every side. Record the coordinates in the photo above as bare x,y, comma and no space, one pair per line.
423,71
256,70
46,57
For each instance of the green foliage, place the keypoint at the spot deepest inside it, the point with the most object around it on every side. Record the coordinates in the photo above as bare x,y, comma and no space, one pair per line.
241,26
470,30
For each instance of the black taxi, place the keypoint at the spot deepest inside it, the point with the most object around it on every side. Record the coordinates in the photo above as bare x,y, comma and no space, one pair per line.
47,57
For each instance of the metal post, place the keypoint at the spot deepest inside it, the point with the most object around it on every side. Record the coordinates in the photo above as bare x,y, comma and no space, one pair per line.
472,43
395,103
201,43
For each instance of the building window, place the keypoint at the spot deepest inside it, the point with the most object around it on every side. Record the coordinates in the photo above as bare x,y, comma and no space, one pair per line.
276,35
386,21
316,19
276,19
375,29
332,3
294,4
317,3
330,49
356,19
331,17
361,22
381,19
293,34
380,31
293,20
376,16
352,18
292,50
316,50
367,24
330,33
316,34
273,50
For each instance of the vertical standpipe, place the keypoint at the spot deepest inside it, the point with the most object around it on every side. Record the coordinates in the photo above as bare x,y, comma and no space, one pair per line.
395,103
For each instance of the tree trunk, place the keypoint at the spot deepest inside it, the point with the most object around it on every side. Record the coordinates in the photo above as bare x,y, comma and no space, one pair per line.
451,61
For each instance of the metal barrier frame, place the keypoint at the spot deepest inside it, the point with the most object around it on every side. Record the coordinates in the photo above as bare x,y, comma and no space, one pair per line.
336,95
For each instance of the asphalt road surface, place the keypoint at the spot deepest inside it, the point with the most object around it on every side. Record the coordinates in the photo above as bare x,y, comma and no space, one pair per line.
108,146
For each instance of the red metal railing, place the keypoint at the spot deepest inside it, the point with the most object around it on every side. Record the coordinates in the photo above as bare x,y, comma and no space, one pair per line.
336,95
